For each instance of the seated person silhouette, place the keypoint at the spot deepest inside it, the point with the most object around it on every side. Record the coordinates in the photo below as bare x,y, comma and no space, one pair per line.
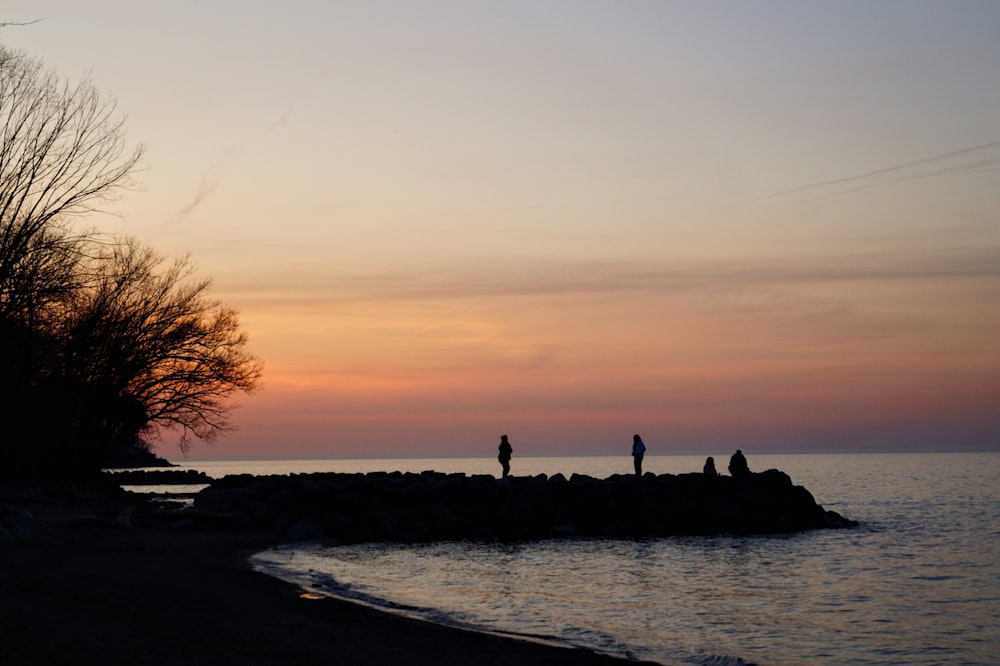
738,466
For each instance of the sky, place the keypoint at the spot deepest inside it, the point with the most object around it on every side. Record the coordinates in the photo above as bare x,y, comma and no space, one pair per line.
769,225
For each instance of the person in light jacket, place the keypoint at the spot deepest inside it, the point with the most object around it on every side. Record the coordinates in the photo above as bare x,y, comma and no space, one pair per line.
638,450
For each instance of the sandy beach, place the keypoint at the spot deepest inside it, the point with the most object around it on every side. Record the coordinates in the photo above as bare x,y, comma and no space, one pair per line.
77,587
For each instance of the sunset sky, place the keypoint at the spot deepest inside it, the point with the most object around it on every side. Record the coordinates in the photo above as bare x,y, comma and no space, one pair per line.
772,225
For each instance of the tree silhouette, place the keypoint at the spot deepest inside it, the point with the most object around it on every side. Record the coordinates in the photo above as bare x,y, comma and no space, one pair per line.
146,336
101,340
62,153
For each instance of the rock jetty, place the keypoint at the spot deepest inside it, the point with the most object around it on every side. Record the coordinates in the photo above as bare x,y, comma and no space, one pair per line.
397,506
158,477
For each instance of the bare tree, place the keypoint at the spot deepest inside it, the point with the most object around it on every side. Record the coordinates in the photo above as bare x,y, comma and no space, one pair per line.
147,336
101,339
62,153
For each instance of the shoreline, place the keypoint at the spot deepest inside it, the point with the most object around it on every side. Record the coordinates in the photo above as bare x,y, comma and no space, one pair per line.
74,585
310,592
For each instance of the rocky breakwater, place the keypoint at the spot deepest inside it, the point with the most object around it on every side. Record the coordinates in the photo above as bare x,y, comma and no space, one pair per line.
379,506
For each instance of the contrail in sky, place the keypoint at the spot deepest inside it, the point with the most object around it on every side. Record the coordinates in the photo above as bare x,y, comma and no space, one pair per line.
204,190
209,181
956,161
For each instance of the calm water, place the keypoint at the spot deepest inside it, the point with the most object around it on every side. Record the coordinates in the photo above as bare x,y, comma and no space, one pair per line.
918,583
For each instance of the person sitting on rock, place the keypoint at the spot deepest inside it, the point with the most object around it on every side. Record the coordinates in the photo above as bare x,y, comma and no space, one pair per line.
709,469
738,466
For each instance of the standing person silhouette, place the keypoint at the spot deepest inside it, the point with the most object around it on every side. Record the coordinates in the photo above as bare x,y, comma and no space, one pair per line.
505,452
638,450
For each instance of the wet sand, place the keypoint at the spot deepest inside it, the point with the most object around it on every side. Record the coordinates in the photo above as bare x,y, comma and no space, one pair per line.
78,590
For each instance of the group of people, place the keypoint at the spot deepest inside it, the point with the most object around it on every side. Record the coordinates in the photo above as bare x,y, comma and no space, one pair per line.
738,467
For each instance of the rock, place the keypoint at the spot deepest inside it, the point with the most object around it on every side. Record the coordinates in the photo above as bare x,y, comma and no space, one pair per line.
125,517
562,530
158,477
305,528
22,524
836,521
433,505
414,530
383,524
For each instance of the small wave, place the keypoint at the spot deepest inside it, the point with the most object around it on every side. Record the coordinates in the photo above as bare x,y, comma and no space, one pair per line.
722,660
278,563
938,577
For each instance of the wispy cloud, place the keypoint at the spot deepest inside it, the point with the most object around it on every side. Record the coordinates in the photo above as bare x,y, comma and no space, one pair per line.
606,277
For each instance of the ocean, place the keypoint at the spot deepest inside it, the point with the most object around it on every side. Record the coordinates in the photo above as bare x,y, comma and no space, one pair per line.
917,583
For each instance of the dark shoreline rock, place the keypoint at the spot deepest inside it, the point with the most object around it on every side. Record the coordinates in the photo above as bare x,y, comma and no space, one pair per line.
158,477
430,506
134,457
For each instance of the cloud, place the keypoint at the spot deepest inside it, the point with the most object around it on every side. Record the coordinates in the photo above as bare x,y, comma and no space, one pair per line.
593,278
